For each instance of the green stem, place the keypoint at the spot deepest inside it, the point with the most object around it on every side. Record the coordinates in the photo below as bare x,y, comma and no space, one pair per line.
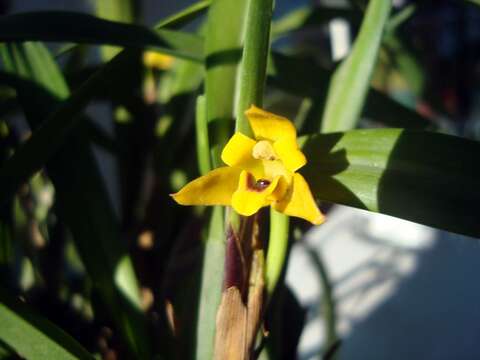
277,249
253,67
203,147
250,92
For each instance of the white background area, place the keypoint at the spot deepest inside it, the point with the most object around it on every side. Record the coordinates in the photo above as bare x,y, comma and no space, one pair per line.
402,290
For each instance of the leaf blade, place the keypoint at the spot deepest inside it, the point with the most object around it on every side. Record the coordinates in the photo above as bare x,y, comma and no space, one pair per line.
94,225
303,76
223,52
45,141
349,85
391,171
33,336
64,26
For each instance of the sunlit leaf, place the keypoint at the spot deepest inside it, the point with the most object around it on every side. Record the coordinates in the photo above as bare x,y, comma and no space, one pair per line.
350,82
61,26
302,76
124,11
184,16
34,337
223,53
419,176
211,284
305,17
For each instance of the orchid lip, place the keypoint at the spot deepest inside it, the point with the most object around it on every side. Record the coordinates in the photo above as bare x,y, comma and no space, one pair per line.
257,185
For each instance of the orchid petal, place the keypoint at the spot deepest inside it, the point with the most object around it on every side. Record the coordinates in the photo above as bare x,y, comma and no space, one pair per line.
214,188
287,150
266,125
238,150
300,202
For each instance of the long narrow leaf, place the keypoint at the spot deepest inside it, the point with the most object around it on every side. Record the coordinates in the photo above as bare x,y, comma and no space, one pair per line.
46,140
350,83
34,337
211,284
420,176
123,11
223,53
184,16
308,16
77,180
33,154
174,21
303,76
82,28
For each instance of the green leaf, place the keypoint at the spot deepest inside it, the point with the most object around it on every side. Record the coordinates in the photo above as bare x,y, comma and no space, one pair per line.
123,11
424,177
400,18
65,26
291,21
399,54
184,16
304,77
223,51
350,83
476,2
77,180
174,21
33,154
211,284
43,143
34,337
309,16
6,353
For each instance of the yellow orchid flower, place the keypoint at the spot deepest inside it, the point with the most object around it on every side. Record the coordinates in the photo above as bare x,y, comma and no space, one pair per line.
260,172
154,60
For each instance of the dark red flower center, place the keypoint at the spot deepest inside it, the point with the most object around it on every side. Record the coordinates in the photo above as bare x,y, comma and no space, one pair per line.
257,185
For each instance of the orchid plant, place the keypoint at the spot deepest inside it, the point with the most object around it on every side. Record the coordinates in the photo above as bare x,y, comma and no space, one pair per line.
199,115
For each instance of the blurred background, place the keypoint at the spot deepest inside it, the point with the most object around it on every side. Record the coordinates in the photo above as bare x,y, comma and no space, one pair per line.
374,286
400,290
